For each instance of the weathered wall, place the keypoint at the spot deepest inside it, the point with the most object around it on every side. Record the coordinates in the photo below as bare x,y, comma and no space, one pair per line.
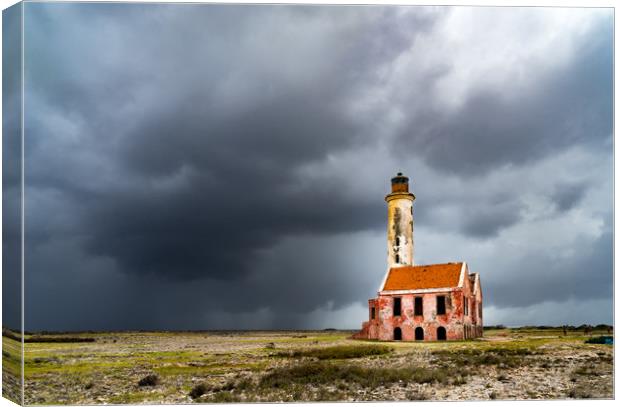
400,225
478,314
472,321
458,325
383,326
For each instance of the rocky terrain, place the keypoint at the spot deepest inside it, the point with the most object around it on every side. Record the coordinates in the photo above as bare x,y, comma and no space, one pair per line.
185,367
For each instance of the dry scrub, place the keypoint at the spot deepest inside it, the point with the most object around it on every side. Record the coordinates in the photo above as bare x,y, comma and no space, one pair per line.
169,367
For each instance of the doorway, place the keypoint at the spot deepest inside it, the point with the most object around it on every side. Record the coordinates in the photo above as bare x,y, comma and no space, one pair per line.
398,334
419,334
441,333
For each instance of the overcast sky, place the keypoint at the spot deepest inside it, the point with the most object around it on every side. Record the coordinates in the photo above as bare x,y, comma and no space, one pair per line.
222,166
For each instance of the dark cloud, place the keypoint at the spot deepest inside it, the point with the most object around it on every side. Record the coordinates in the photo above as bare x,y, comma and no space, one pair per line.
513,124
232,160
11,167
567,196
547,275
233,188
487,221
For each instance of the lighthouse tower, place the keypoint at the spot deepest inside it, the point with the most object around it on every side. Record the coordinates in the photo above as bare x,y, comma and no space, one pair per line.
400,223
432,302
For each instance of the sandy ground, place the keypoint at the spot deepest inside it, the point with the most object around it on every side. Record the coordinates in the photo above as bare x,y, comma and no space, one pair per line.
507,364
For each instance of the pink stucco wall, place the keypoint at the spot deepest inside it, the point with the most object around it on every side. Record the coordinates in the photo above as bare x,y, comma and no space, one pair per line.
458,325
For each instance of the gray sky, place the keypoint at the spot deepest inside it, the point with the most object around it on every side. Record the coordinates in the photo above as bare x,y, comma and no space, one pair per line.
204,167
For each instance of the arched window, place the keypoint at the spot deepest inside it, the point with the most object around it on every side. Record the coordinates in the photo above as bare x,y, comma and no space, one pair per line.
441,333
397,241
419,334
397,259
398,334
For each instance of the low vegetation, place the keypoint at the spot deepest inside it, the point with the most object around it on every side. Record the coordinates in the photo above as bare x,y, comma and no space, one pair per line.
317,373
501,357
150,380
204,388
175,367
52,339
198,390
29,338
338,352
8,333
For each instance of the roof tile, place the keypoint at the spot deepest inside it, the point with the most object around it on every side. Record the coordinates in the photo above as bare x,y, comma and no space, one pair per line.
423,277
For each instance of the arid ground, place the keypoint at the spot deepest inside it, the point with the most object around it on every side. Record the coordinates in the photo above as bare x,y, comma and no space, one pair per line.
179,367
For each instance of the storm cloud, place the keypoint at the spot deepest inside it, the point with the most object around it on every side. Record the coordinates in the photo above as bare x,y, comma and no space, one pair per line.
224,166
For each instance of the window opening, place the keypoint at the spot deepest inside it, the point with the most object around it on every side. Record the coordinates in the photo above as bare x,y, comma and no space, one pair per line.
397,306
441,305
418,307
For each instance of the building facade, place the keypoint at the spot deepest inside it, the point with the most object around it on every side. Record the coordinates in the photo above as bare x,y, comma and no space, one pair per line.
420,302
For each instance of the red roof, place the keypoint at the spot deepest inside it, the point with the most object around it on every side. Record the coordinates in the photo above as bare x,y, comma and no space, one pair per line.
423,277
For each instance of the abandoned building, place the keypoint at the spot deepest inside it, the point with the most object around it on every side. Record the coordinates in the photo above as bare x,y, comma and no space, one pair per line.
420,302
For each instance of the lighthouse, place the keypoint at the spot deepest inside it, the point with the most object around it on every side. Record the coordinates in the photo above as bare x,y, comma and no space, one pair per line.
400,223
433,302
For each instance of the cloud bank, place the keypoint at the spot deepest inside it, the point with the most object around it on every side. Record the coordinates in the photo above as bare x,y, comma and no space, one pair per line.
223,166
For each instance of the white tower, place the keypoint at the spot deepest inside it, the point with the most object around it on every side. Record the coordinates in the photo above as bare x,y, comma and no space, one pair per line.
400,223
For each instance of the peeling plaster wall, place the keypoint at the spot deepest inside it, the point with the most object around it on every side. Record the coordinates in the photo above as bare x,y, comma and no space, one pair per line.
452,320
472,322
400,224
458,325
477,320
